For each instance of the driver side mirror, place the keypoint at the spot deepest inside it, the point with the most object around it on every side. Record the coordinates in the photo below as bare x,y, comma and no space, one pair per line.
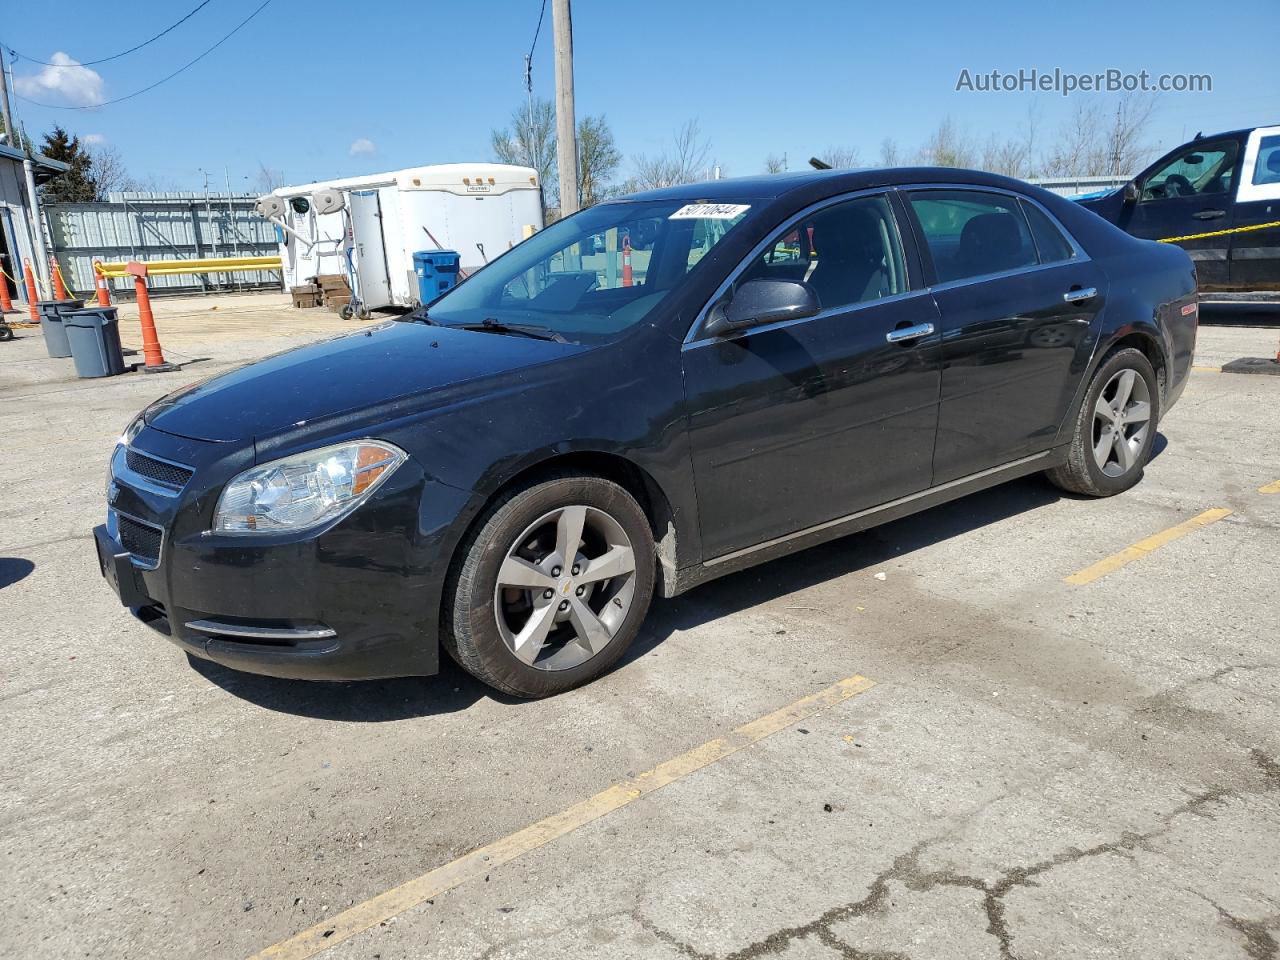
762,301
1131,192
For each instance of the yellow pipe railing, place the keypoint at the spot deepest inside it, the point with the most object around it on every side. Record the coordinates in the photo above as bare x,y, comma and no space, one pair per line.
168,268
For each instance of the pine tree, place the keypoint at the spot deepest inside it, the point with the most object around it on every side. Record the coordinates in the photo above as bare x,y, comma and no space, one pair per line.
77,185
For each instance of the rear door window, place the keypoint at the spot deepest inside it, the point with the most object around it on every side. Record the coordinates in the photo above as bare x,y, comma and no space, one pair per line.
1267,169
970,233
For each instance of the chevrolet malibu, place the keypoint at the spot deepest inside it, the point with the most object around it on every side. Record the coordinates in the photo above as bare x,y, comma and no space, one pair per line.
648,394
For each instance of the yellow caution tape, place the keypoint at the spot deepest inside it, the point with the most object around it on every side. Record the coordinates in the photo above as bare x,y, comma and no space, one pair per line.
1219,233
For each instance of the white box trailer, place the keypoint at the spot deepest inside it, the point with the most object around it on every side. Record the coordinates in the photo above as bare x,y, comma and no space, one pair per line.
368,228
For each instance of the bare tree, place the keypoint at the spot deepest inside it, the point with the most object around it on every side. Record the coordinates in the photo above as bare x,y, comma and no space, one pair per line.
109,173
1102,139
840,158
686,162
598,159
889,155
267,178
531,142
774,164
948,146
1124,145
1008,157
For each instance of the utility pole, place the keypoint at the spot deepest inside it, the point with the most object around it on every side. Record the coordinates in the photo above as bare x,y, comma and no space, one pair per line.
566,126
35,224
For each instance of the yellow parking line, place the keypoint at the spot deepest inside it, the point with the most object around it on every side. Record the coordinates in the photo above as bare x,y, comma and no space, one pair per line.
1145,546
1207,369
480,862
1270,488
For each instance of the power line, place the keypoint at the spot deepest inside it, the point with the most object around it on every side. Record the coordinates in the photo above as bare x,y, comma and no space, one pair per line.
116,56
138,93
528,61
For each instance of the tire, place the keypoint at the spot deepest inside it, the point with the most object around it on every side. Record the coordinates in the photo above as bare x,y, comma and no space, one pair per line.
1085,470
555,621
6,332
345,312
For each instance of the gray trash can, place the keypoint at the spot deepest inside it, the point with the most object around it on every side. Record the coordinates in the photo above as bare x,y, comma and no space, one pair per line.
95,341
51,314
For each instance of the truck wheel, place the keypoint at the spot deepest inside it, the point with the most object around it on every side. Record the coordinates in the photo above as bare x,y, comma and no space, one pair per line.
552,586
1115,429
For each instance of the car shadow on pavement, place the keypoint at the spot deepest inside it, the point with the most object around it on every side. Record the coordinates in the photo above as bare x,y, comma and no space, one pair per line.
870,548
13,569
360,701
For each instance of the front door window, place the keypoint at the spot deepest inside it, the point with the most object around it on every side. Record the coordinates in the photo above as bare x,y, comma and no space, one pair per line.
1199,170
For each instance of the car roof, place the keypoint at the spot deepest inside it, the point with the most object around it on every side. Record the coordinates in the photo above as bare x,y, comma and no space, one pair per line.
776,185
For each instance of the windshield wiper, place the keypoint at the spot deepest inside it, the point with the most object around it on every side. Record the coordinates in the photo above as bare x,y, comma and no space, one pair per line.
418,316
493,325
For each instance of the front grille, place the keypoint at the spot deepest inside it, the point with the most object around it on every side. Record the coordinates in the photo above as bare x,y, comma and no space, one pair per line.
170,474
142,540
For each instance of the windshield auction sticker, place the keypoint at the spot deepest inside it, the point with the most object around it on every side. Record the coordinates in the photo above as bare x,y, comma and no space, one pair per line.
710,211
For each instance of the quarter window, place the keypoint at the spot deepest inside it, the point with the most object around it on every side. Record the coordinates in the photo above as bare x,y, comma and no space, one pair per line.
1051,245
972,234
848,252
1202,169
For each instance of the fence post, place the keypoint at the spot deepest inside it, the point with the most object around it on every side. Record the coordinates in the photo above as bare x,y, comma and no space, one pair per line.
151,352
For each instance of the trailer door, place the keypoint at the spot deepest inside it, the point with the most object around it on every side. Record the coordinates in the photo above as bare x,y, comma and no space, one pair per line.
373,283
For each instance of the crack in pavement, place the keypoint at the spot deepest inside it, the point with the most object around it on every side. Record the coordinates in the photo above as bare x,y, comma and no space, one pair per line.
1260,944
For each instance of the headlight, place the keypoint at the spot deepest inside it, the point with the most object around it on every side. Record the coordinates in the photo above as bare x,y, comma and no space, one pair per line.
132,430
307,489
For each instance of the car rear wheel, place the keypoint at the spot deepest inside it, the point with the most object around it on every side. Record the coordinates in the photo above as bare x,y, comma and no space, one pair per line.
552,587
1115,429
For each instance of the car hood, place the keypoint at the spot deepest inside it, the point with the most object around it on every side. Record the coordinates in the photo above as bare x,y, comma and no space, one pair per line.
378,365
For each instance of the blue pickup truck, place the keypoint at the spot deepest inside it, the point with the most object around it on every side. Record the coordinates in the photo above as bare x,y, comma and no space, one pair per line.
1217,197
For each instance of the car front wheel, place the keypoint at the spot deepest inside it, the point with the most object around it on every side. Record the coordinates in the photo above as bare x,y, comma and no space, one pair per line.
552,586
1115,430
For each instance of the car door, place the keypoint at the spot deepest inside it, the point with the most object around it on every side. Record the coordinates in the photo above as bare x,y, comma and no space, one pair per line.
1189,194
1020,306
802,421
1255,244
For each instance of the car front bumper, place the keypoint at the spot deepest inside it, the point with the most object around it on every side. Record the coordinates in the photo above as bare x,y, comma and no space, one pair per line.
357,600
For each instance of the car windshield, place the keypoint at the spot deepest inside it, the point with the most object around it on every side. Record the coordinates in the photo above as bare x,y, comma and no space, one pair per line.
594,274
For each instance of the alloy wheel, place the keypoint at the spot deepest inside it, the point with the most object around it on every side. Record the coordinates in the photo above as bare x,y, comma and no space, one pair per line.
565,587
1121,420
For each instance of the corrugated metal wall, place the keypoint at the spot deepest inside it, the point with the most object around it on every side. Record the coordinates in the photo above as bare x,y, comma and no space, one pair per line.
1074,186
162,226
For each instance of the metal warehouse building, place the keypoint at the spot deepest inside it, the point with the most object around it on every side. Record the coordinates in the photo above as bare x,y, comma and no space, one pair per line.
16,238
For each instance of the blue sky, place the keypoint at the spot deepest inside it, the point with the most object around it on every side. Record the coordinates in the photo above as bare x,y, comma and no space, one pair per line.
425,82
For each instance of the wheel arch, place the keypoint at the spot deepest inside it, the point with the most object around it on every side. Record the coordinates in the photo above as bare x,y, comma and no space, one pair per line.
629,475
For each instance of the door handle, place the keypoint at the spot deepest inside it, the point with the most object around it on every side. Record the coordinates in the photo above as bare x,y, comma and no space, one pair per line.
1075,296
1209,214
909,333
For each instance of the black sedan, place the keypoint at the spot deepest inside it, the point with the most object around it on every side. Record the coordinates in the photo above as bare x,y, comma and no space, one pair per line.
648,394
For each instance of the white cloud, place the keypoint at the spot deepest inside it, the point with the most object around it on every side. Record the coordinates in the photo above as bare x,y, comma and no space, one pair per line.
66,80
93,139
363,145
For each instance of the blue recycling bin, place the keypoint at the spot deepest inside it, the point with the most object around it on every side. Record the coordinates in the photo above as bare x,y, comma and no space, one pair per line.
94,337
437,272
52,313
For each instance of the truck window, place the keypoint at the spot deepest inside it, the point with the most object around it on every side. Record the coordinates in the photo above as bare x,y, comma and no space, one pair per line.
1199,169
1267,169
